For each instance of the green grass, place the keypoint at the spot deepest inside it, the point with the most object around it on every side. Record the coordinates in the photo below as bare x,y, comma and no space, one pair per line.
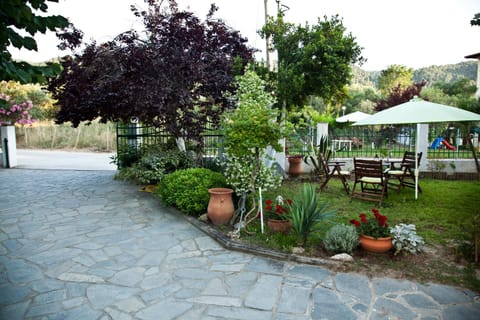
443,215
443,211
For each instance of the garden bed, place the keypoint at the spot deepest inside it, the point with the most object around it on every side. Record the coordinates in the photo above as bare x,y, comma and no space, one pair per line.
442,215
438,264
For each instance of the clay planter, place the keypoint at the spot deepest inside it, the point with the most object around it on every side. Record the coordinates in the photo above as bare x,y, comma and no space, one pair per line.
380,245
295,166
220,207
282,226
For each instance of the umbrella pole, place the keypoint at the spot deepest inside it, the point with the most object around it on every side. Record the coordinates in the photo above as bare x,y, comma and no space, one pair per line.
416,162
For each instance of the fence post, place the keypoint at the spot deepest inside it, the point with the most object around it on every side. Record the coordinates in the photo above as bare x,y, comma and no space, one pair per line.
322,131
422,143
134,133
9,146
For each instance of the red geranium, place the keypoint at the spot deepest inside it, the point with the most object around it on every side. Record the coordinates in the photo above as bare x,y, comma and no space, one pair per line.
376,227
276,210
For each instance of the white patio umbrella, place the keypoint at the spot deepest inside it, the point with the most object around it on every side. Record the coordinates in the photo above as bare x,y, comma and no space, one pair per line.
353,117
418,111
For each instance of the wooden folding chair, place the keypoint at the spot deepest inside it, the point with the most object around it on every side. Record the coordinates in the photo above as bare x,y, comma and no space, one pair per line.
373,184
333,169
405,171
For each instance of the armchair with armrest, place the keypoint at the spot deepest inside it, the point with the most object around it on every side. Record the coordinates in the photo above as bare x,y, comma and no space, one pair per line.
404,171
371,179
333,169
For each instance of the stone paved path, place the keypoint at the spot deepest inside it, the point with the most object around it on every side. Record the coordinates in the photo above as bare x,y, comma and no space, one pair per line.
79,245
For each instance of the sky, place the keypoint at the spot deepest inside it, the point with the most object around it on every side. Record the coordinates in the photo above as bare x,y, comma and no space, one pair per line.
413,33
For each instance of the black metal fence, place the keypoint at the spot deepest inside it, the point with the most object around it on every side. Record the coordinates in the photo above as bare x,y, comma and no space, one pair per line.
133,137
388,142
444,142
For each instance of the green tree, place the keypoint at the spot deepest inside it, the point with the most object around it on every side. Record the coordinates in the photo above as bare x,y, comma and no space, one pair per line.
459,93
20,20
361,98
461,87
394,76
248,130
312,60
476,20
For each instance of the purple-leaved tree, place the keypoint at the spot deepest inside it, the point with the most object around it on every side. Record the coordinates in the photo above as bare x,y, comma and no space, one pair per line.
175,75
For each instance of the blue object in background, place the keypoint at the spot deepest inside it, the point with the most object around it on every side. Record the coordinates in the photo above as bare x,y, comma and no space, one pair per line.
436,143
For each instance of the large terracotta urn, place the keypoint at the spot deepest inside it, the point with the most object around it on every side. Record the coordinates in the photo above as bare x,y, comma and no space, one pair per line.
379,245
220,207
295,166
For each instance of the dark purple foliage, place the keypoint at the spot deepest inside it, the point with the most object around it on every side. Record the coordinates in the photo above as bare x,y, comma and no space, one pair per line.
175,77
400,95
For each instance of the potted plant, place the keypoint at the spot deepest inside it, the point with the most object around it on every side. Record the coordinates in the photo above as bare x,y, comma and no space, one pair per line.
374,233
294,159
276,214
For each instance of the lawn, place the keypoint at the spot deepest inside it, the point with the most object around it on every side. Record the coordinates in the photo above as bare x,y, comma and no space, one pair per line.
444,215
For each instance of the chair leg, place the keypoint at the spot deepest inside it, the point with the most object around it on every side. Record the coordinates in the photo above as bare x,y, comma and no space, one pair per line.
384,194
345,184
324,184
353,191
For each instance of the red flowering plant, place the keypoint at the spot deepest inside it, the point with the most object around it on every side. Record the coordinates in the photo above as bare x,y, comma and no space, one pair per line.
276,210
376,227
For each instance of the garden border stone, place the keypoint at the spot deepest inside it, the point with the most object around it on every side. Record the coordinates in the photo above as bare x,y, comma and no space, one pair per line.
231,244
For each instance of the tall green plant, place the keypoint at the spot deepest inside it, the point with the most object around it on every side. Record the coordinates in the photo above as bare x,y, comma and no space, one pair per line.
307,212
248,130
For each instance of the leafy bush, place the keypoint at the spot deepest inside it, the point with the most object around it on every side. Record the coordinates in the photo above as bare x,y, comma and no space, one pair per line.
405,238
307,211
126,157
154,163
238,172
187,189
341,238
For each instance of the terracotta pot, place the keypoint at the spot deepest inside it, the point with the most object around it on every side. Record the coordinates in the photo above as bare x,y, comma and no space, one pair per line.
282,226
220,207
380,245
295,166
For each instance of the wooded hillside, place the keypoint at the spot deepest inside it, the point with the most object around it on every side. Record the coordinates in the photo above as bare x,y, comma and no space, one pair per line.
432,74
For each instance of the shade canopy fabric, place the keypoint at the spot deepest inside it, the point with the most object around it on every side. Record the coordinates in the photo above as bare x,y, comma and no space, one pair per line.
353,117
419,111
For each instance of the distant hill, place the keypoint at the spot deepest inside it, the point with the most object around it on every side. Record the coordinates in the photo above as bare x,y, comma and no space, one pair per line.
445,73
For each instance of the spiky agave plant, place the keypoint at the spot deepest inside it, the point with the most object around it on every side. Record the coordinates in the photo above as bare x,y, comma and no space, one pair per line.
307,211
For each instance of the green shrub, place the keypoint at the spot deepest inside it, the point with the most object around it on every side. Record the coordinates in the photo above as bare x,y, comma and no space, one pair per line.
154,163
187,189
341,239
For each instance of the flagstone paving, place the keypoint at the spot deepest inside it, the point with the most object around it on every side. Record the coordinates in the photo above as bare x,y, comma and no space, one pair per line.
80,245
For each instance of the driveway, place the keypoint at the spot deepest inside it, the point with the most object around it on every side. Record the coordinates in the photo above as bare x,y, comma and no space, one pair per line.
81,245
64,160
